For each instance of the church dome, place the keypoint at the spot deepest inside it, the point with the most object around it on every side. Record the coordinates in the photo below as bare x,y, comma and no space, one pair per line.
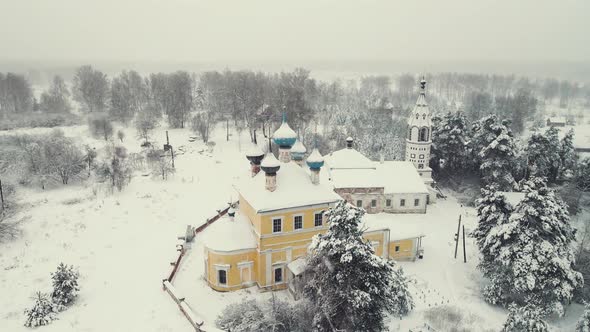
298,150
255,154
270,164
315,160
284,136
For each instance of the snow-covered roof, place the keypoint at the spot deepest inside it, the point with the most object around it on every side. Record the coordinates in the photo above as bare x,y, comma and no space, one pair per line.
348,168
297,266
402,226
513,197
254,151
226,234
294,189
348,158
400,177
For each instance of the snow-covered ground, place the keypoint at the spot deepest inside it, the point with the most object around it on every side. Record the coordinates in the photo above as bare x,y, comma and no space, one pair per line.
123,243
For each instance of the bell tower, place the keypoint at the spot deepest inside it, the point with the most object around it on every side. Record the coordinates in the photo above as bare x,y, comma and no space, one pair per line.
418,141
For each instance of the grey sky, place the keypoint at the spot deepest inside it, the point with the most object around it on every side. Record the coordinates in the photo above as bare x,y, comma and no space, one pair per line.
185,30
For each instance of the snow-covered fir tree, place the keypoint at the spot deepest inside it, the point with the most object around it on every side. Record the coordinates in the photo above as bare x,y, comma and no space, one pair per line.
583,175
569,157
449,141
496,152
583,324
65,286
532,259
524,319
42,313
351,287
539,161
553,152
492,210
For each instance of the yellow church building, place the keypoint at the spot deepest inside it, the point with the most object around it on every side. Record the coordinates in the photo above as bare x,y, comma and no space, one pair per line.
263,240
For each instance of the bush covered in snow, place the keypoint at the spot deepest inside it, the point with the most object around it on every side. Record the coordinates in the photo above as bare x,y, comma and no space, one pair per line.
65,286
524,319
351,287
42,313
269,316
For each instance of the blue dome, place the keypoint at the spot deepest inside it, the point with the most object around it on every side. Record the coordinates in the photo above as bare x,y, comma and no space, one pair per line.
284,137
315,160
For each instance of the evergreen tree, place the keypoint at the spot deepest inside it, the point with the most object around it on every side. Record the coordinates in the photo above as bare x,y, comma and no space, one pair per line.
532,255
583,175
42,313
449,141
524,319
583,324
539,161
351,287
492,210
553,153
569,157
65,286
495,148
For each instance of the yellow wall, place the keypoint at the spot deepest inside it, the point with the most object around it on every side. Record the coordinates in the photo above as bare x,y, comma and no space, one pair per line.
406,249
247,210
378,238
287,217
233,273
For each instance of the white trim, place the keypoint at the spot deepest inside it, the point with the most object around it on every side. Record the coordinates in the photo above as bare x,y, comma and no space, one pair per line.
302,222
245,264
272,224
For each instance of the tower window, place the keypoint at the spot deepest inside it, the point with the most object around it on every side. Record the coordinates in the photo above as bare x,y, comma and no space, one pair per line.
423,135
420,166
413,155
421,156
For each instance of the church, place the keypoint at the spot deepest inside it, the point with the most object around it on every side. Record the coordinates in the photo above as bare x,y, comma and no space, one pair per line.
262,241
388,186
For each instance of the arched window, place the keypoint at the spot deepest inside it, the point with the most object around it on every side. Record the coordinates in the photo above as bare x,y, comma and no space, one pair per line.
414,133
423,137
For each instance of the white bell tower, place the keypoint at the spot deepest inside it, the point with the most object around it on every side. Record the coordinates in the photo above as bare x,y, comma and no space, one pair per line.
418,141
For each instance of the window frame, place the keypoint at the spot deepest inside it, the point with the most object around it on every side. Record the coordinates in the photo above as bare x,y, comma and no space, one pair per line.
219,271
295,222
397,248
273,224
388,202
402,202
274,275
315,223
373,203
416,201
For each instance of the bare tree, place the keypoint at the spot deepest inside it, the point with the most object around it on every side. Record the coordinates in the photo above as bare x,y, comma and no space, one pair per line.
91,89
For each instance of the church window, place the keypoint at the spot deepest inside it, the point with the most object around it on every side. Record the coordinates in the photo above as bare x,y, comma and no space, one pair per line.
297,222
416,202
402,202
278,275
359,203
222,277
421,156
423,135
413,155
388,202
374,203
396,248
277,225
317,219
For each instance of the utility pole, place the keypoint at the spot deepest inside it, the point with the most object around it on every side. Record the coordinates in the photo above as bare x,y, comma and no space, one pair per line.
168,146
464,252
1,198
457,236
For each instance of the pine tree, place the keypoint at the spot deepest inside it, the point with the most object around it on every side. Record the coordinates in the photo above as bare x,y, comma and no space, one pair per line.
583,175
539,162
449,140
553,153
495,148
492,210
583,324
568,155
351,287
65,286
42,313
524,319
532,259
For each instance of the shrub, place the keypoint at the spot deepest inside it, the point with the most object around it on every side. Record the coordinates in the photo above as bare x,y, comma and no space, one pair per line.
42,313
65,286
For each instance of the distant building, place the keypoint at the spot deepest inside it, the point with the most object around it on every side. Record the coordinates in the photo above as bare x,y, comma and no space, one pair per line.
558,121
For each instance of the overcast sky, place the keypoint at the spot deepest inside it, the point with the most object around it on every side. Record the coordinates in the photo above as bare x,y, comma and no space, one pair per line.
303,30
